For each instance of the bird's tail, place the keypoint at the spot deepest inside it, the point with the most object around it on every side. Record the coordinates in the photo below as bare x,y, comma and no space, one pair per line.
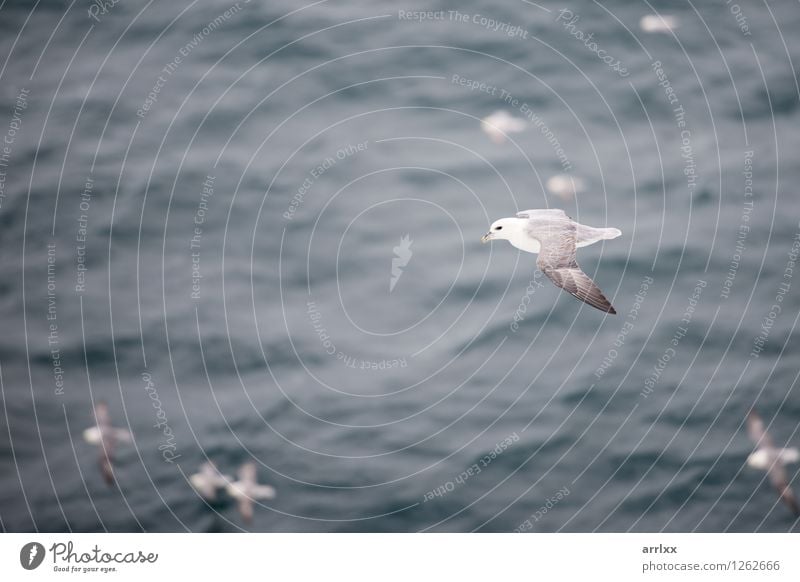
609,233
587,235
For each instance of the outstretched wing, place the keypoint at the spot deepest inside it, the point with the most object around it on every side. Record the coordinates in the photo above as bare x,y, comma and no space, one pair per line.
102,416
556,213
247,473
122,435
557,261
263,492
246,508
106,466
780,480
107,441
579,285
203,485
790,500
758,434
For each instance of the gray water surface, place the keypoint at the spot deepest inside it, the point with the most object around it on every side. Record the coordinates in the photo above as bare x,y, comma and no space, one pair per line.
212,200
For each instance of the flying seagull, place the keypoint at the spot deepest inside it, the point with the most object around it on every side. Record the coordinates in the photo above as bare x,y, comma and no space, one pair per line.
500,123
106,438
247,489
208,479
555,236
771,459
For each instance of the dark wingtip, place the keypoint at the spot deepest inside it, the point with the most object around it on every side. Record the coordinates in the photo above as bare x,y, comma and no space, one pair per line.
107,471
603,305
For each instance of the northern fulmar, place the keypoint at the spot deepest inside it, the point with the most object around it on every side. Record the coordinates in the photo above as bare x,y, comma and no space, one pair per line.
554,236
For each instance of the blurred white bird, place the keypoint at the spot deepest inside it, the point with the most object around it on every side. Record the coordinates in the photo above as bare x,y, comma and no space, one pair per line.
658,23
246,490
771,459
208,480
500,123
106,438
565,186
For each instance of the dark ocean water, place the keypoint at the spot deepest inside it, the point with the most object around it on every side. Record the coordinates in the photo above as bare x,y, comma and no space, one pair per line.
209,195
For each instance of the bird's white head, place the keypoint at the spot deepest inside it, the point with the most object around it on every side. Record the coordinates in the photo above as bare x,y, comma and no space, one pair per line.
510,229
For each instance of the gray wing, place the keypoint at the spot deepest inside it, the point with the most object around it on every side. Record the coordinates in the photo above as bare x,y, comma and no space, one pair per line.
207,481
780,480
107,442
758,434
247,473
546,213
557,261
206,489
106,468
246,508
208,470
102,417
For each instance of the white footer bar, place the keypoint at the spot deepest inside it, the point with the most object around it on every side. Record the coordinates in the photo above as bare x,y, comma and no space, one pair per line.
406,557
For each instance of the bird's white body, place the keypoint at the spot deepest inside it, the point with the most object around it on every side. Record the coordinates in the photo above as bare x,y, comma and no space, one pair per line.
516,231
764,458
94,436
208,480
247,489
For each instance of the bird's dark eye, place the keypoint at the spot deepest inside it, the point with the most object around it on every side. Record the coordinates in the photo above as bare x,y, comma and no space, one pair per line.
499,228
